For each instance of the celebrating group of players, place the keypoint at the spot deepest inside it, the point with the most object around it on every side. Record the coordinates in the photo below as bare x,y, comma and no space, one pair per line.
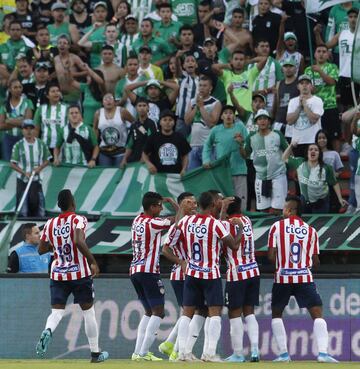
201,231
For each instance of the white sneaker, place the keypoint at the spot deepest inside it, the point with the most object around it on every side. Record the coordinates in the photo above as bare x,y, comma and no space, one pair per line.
211,358
184,357
326,358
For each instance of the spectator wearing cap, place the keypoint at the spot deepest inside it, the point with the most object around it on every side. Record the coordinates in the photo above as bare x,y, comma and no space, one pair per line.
267,147
79,16
97,29
166,151
266,24
68,66
30,154
225,138
146,68
325,76
77,143
167,29
286,90
26,258
338,21
27,19
304,114
131,32
132,76
189,81
266,81
202,114
60,25
14,46
16,108
159,98
241,79
139,132
111,39
287,48
51,117
35,87
160,49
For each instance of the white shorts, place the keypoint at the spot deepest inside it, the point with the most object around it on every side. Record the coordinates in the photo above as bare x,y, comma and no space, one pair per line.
278,194
240,189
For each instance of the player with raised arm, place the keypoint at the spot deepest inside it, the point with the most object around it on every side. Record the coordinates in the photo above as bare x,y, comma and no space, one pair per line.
72,272
242,283
177,254
293,247
203,233
145,271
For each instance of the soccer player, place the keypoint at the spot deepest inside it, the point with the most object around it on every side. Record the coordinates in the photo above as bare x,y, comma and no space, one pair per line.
203,233
294,249
177,254
145,271
72,271
242,284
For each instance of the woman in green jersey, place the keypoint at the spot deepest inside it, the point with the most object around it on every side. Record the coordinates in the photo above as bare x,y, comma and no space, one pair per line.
314,178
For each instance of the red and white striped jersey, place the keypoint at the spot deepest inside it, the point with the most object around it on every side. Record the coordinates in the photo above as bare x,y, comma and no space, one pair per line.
295,242
178,249
146,242
69,263
202,236
241,263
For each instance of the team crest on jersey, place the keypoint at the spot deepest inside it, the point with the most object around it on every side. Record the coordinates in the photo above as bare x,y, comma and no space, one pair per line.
200,230
299,232
63,231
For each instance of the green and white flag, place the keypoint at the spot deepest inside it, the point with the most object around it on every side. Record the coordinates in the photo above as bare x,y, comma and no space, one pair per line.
314,6
355,59
112,191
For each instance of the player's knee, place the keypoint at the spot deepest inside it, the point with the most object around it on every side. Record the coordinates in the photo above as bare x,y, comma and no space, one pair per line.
158,311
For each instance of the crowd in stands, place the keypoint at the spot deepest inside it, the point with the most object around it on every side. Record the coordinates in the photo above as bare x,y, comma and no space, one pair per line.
177,84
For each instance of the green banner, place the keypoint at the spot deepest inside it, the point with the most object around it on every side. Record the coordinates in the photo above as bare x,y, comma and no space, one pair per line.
114,191
112,235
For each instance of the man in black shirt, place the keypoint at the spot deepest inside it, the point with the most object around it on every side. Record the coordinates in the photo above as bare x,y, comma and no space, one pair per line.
266,24
139,132
166,151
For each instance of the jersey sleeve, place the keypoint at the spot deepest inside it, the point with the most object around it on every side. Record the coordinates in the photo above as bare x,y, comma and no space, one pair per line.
80,222
220,230
29,104
173,236
278,71
272,240
160,224
15,157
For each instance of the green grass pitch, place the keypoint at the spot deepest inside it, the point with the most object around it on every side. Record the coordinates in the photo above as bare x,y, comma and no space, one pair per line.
125,364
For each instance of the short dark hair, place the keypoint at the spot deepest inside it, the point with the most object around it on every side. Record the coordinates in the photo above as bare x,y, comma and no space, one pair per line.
235,206
186,27
238,51
26,229
148,20
141,99
215,193
108,47
206,200
41,27
239,11
15,22
296,200
132,56
72,106
164,5
50,85
65,199
206,78
183,196
205,3
261,39
150,198
321,45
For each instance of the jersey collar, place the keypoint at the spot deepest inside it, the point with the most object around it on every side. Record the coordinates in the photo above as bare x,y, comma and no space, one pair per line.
65,215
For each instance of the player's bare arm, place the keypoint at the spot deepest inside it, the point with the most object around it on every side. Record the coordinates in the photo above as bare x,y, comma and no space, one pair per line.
230,242
44,247
272,255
